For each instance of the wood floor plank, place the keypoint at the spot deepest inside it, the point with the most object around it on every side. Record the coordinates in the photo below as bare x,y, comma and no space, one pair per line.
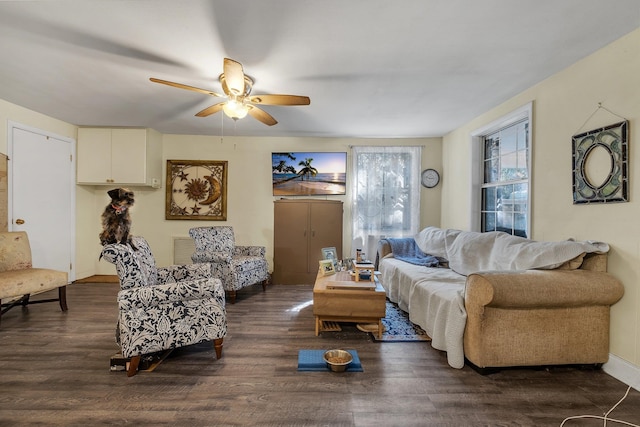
54,371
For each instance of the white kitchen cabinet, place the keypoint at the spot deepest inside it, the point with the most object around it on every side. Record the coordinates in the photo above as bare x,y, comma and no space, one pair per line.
122,156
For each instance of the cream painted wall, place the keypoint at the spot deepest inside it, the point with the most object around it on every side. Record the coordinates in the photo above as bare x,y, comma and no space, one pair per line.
250,202
562,104
250,199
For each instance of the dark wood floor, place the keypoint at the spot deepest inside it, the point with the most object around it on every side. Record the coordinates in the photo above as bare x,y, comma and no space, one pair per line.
55,371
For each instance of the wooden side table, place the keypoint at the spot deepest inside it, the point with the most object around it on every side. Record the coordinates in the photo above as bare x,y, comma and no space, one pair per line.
358,267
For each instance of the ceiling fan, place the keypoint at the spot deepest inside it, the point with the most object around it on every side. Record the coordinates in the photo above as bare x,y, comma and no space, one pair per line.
237,86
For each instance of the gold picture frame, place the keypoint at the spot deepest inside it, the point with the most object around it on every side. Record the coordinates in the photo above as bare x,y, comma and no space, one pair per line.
196,190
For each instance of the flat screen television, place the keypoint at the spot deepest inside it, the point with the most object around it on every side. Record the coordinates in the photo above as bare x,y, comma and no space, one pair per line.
309,173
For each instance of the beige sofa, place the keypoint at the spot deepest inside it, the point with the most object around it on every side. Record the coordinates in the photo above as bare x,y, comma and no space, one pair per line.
497,300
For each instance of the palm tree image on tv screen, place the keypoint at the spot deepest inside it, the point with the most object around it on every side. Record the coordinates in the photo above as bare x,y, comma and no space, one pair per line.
309,173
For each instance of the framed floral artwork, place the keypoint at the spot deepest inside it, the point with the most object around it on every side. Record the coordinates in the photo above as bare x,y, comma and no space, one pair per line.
196,189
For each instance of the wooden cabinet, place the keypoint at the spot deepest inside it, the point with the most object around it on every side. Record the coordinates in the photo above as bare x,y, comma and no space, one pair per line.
109,156
301,229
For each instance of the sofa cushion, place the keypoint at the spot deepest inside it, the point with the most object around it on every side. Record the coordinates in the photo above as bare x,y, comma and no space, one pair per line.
16,283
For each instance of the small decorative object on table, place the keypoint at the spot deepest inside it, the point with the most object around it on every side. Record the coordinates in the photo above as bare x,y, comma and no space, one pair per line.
364,270
326,267
332,254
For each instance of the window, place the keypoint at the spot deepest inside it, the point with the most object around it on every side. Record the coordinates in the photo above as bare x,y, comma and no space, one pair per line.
386,195
503,158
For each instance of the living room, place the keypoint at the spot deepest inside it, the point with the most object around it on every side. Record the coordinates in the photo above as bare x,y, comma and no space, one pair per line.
564,104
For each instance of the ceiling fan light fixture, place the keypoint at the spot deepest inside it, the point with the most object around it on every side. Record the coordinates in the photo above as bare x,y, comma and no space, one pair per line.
235,110
239,103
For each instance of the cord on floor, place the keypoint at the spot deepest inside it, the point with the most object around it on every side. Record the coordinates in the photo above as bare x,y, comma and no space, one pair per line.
605,418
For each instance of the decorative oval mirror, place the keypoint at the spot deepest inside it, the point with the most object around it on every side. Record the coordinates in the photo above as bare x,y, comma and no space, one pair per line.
600,169
598,165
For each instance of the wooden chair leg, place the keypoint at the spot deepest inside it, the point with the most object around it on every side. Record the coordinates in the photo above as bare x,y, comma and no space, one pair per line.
265,282
132,369
62,297
232,296
217,344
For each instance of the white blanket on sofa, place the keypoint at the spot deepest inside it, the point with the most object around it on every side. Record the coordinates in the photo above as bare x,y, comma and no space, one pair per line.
434,297
471,252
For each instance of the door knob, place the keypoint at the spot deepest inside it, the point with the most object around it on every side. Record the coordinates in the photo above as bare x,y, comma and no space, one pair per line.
19,221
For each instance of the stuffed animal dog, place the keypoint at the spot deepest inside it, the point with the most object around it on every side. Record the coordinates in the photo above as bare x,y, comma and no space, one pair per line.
116,221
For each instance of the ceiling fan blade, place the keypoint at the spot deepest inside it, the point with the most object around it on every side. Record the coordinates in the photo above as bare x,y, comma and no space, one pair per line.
234,76
181,86
280,100
262,115
211,110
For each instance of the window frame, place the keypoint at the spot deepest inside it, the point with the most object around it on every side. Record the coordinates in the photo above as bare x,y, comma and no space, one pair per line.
477,163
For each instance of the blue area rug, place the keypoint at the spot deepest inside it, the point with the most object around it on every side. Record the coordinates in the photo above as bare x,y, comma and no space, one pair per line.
311,360
398,327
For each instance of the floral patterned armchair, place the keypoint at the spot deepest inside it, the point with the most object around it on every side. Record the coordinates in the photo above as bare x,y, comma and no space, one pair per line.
164,308
236,266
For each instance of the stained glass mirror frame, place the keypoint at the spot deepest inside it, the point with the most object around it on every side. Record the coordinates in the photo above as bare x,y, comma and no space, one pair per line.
614,188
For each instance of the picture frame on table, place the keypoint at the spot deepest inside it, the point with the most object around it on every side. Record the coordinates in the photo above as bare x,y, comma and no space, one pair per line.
332,254
326,267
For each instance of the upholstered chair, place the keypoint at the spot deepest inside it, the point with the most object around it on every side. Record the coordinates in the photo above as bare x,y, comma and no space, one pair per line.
164,308
236,266
19,280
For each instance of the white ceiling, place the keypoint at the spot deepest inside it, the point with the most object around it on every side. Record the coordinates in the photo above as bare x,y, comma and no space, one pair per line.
372,68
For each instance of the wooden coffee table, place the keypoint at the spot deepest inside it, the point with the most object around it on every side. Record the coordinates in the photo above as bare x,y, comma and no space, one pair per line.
339,298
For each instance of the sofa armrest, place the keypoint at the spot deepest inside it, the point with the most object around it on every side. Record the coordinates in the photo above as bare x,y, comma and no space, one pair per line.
152,296
541,288
384,249
177,273
250,251
211,256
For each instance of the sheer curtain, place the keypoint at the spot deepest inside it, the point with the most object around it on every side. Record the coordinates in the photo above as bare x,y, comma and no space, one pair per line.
386,195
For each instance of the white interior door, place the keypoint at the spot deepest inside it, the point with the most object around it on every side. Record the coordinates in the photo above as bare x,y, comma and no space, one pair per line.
42,195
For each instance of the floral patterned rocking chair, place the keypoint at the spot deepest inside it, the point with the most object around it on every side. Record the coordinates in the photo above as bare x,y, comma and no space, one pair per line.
164,308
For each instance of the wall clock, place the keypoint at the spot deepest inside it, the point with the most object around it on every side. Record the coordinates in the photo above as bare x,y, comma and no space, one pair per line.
196,189
430,178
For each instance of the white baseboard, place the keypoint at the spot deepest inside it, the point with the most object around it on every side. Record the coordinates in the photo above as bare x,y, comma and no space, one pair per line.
622,370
